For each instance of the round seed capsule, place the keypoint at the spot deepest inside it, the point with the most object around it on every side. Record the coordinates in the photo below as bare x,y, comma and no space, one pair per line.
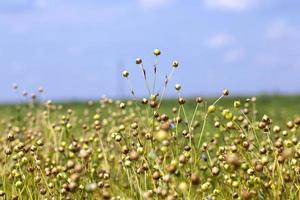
156,52
199,100
177,87
138,61
211,109
175,64
181,101
225,92
125,73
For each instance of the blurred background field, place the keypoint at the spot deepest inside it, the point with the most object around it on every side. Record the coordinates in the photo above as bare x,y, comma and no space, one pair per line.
281,108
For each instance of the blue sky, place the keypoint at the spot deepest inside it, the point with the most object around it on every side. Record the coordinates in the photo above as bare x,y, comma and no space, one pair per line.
77,49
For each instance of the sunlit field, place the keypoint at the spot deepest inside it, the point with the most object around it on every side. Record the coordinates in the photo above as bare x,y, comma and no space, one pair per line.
224,147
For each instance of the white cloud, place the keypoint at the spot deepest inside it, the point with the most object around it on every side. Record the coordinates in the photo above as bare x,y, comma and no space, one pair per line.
228,45
148,4
281,29
278,49
231,5
220,40
234,55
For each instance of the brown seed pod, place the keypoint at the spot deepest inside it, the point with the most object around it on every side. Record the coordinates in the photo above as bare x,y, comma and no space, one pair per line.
195,179
54,171
175,64
278,143
187,148
246,144
263,150
230,125
217,124
70,164
276,129
181,100
106,195
246,111
199,99
174,110
266,119
237,141
290,124
297,121
153,103
287,153
138,61
182,159
233,159
125,150
164,117
15,197
134,125
75,177
280,159
235,195
165,126
133,156
246,195
78,168
259,167
171,169
287,177
72,186
185,132
84,154
144,101
8,151
139,170
145,166
178,120
215,171
43,191
156,175
122,105
10,136
225,92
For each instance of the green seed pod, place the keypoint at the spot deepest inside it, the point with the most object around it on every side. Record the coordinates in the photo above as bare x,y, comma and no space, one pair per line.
125,74
156,52
211,109
175,64
18,184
